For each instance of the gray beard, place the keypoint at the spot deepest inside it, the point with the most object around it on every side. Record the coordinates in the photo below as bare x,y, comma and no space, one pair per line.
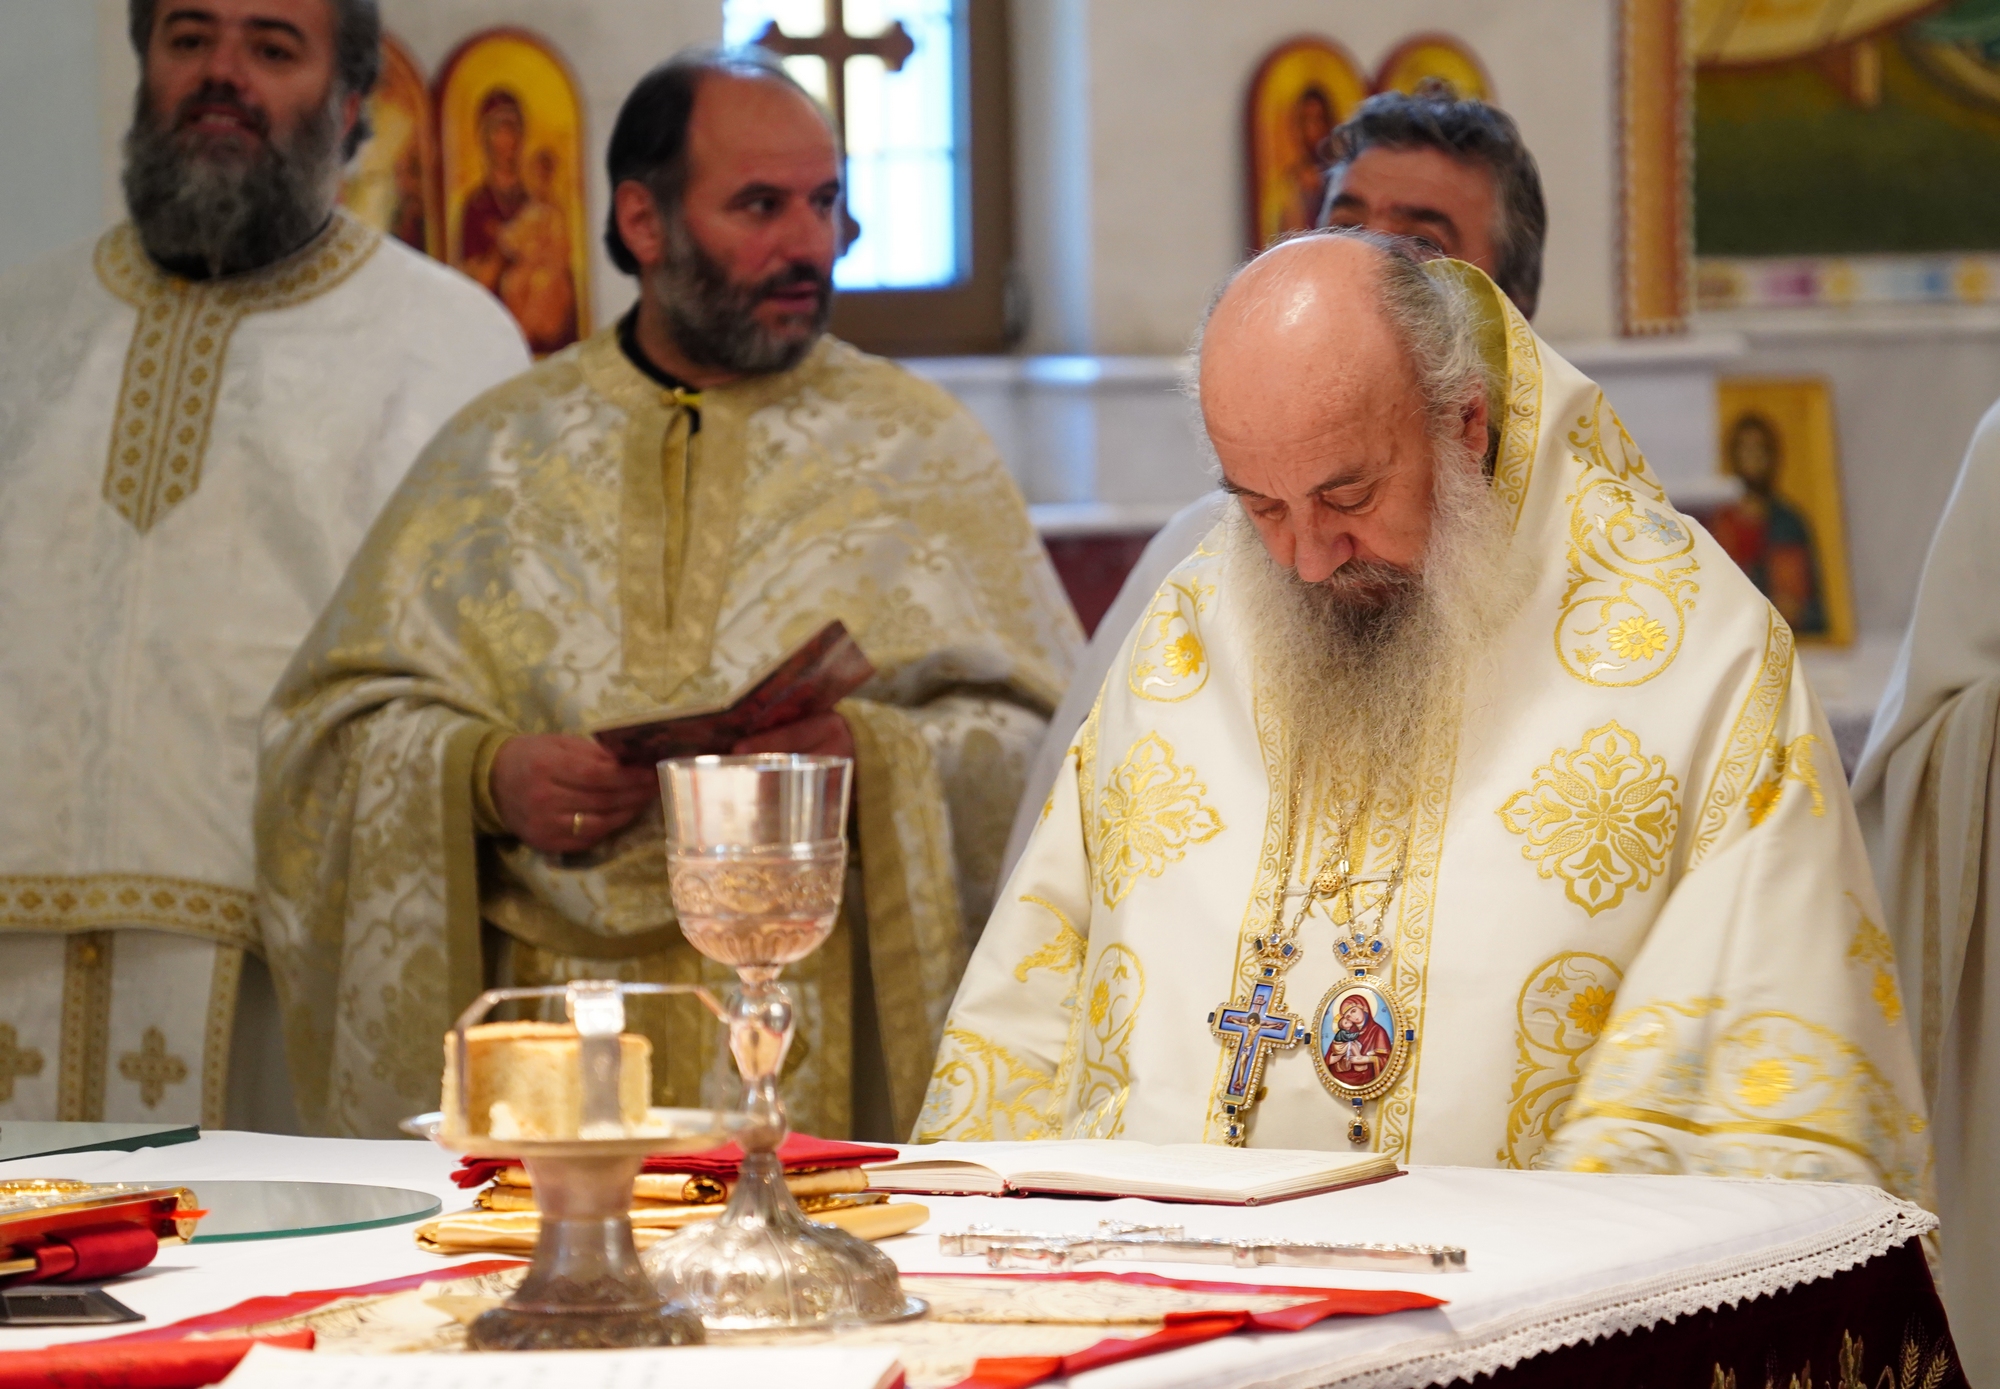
1362,669
227,216
712,320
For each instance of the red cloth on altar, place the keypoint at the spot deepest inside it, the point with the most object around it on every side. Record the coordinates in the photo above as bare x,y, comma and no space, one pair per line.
119,1364
799,1153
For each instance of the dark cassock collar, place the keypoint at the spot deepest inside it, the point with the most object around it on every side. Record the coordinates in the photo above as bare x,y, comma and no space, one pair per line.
628,343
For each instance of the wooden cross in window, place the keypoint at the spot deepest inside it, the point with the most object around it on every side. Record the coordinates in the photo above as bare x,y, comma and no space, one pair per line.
834,44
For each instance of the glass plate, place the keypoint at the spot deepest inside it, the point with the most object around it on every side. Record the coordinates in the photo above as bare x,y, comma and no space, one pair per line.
283,1210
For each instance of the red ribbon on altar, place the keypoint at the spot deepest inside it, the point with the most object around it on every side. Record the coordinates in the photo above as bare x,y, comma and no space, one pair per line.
799,1153
122,1365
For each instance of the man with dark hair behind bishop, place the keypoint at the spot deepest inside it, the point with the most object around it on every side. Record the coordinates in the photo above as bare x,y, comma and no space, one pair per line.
642,523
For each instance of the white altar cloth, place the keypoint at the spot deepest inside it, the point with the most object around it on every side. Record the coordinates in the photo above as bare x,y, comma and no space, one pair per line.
1553,1258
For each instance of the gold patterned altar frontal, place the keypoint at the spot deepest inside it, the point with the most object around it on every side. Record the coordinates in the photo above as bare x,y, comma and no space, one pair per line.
1601,817
107,901
180,347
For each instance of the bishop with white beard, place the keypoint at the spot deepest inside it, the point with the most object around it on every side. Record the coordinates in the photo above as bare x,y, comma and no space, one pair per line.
200,414
1458,799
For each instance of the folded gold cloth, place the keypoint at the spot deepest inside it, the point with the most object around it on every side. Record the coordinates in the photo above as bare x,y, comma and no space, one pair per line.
514,1232
680,1189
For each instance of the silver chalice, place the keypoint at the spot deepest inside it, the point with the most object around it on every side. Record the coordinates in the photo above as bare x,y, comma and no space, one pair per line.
756,857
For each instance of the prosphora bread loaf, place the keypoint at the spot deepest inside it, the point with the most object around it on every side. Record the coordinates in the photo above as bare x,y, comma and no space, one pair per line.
527,1080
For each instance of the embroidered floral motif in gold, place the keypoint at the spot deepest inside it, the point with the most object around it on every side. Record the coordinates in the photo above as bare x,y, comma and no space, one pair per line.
1170,661
1063,953
16,1061
1150,813
1601,817
152,1067
1111,998
1631,562
1873,950
1563,1009
180,346
982,1092
1789,761
1749,736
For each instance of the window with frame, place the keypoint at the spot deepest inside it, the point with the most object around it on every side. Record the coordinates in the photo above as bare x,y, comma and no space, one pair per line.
919,89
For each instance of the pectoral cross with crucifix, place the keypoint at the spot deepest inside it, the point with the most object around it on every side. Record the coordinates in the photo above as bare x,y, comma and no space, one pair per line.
1252,1031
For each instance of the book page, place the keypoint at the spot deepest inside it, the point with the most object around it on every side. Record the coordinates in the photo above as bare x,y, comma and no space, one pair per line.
1119,1164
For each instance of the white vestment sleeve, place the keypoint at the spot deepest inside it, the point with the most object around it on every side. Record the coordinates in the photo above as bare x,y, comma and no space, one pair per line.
1003,1067
1174,543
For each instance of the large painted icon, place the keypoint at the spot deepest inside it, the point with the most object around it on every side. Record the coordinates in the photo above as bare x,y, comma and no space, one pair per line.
1846,152
1302,90
1358,1039
392,185
511,164
1787,530
1305,87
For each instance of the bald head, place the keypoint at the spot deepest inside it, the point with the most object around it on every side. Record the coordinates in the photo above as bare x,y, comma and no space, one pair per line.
1331,368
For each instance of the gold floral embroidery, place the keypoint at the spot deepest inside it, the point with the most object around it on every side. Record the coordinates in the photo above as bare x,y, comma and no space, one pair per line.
180,346
1062,954
1923,1364
101,901
1170,661
1631,563
1873,950
1768,1073
1111,1000
1601,817
16,1061
981,1092
152,1068
1563,1007
1748,738
1151,812
1793,761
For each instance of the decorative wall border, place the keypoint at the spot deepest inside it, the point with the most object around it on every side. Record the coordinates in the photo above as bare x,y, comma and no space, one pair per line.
1655,147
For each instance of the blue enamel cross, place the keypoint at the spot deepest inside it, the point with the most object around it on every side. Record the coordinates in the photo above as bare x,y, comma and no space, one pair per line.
1253,1030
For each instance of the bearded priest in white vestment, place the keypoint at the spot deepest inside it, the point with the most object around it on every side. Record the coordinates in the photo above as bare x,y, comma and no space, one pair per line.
642,523
200,415
1928,790
1480,816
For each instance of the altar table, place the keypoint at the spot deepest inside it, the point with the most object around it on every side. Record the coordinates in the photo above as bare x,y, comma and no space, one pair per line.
1619,1280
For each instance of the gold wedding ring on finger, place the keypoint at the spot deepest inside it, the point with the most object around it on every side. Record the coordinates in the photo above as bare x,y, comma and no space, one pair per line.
576,825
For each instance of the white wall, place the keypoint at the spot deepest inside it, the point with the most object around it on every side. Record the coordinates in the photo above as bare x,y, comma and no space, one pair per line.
49,156
1124,232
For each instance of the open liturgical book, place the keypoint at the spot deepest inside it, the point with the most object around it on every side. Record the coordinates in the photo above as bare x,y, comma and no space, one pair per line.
1202,1173
818,675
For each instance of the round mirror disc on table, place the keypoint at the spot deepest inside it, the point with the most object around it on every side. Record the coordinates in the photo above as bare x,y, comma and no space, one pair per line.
280,1210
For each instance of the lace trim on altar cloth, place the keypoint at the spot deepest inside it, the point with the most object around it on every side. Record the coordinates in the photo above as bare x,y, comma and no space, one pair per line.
1507,1340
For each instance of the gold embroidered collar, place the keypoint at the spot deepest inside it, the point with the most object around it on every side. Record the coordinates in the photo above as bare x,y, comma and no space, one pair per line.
180,342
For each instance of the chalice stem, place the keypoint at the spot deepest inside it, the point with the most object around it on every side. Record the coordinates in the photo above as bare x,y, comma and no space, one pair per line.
760,1033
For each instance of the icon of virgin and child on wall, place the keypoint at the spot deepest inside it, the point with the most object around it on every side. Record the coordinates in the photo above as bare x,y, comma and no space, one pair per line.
483,169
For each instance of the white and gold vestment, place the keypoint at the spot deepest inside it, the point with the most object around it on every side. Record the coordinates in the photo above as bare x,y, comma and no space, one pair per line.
586,544
1634,929
185,469
1928,790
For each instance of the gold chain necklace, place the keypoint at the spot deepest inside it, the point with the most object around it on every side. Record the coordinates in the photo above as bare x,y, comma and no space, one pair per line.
1259,1025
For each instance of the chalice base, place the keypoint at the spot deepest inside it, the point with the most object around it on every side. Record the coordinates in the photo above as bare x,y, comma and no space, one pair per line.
763,1266
586,1289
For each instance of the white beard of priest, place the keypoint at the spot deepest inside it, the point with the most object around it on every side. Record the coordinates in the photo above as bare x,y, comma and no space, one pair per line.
1457,799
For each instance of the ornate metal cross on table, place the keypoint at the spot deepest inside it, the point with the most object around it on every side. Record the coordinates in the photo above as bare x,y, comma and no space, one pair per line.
1254,1030
1170,1244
